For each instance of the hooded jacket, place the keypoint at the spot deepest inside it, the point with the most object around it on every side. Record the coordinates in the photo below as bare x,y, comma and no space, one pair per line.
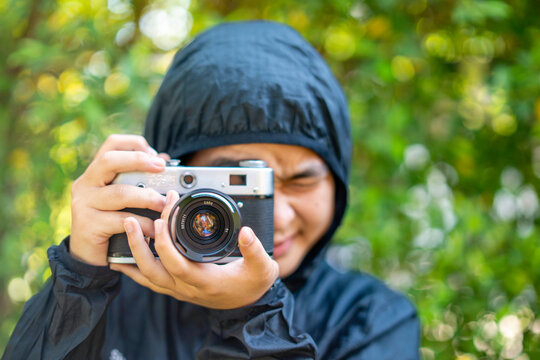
250,82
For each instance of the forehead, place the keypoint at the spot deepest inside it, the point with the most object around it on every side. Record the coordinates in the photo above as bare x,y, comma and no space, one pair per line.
275,155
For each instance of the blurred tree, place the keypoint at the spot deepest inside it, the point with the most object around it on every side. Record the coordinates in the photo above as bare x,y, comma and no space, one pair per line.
444,100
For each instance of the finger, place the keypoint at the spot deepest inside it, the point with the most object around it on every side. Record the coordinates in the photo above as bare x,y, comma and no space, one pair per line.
121,196
255,256
170,200
164,156
126,143
105,167
175,263
109,223
149,266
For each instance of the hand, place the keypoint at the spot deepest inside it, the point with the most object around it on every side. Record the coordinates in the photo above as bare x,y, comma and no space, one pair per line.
236,284
95,204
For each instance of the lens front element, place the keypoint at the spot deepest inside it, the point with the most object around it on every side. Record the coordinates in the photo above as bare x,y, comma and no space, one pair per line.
204,224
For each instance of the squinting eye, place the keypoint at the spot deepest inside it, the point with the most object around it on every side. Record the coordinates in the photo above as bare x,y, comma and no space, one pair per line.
304,182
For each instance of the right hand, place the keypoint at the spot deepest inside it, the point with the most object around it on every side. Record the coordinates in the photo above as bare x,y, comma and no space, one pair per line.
95,204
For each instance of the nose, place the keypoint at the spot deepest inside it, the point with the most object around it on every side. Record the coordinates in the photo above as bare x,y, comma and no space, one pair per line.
283,213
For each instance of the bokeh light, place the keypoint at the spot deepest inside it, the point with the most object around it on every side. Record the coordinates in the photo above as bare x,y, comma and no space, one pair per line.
167,26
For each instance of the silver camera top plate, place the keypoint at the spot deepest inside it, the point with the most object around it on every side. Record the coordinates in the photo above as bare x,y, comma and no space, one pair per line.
250,181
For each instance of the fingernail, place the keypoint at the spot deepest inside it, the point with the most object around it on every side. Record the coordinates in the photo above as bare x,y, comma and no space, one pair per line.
153,152
246,240
158,162
128,226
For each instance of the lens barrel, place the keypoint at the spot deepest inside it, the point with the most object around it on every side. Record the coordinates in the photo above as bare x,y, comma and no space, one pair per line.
204,225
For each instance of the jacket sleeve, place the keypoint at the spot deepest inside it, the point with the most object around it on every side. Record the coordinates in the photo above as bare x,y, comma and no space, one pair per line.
66,318
262,330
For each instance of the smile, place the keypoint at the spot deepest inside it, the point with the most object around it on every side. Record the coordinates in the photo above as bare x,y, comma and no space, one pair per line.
283,246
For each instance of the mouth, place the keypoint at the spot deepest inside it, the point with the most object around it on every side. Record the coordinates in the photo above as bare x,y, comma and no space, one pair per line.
282,246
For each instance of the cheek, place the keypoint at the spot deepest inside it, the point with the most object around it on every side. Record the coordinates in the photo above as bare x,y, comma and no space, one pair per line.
318,211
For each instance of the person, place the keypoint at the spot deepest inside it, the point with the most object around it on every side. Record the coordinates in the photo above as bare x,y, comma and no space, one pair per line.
246,90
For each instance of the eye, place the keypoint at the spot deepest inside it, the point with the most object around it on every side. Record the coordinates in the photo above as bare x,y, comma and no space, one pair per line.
307,178
303,183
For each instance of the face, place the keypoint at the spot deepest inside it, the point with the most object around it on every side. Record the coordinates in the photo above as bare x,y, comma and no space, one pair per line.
304,194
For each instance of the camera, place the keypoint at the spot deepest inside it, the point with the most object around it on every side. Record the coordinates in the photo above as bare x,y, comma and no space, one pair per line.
215,202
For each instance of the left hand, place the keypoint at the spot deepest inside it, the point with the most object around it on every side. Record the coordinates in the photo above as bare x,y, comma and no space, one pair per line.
236,284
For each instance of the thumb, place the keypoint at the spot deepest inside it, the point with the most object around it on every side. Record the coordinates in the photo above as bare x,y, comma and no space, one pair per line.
252,249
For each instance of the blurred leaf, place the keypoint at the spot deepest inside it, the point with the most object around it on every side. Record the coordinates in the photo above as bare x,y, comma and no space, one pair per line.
479,11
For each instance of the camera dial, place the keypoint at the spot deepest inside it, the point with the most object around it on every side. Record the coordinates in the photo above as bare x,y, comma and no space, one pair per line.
252,163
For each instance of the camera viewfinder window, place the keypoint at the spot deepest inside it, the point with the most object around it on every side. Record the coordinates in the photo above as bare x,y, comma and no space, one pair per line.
237,179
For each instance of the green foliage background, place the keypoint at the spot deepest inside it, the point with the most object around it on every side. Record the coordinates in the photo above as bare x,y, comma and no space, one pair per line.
445,104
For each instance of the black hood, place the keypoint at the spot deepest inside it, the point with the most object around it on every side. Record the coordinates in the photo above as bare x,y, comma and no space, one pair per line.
255,82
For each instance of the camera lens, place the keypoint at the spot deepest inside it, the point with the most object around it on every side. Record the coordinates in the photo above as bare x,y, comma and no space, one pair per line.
204,225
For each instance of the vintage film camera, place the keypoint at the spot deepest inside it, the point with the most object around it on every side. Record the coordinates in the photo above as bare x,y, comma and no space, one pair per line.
215,202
